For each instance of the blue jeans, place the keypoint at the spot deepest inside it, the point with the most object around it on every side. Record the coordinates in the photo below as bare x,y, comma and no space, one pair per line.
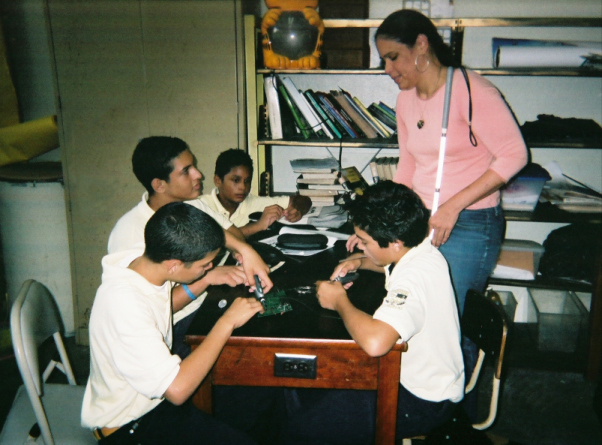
472,249
471,253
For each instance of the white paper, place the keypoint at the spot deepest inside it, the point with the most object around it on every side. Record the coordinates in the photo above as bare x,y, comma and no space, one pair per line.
511,273
568,56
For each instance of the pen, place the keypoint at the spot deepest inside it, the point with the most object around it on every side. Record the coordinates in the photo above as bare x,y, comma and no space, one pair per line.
259,291
353,258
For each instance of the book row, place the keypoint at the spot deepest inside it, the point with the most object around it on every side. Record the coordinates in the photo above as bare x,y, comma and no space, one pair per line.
295,114
384,168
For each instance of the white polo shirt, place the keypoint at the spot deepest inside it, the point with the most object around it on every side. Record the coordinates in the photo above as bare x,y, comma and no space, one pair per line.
129,229
250,205
128,233
131,365
420,305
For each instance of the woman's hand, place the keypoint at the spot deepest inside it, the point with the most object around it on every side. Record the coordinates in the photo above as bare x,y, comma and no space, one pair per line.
442,223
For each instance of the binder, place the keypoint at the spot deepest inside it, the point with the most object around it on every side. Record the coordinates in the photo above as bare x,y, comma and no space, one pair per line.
299,121
313,101
273,107
310,116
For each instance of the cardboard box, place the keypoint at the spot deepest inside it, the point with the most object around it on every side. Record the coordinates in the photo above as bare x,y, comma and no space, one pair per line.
519,259
562,319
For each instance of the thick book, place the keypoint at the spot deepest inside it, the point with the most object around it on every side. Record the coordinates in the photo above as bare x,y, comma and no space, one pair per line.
273,107
290,129
360,121
374,171
353,180
379,114
318,127
392,165
383,173
299,120
330,179
331,175
333,109
313,186
312,192
314,102
314,165
361,113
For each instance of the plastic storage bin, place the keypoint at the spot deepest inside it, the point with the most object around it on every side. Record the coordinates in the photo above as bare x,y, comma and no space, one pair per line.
509,303
562,319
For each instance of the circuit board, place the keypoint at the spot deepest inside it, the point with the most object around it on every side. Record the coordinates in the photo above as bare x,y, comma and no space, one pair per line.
275,304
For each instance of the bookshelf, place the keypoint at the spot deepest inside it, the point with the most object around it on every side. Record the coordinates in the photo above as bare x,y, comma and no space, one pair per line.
258,147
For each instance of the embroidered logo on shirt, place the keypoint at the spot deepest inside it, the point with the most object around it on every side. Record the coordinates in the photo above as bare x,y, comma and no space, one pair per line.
395,300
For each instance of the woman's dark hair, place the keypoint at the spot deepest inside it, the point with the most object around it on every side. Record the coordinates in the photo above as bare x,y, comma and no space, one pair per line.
404,26
232,158
389,212
179,231
153,158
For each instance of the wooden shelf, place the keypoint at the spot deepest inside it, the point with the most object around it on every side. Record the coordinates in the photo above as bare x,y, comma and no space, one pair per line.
577,22
377,143
544,283
546,212
526,72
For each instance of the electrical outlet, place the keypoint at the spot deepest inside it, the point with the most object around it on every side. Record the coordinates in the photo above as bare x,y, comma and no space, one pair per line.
295,365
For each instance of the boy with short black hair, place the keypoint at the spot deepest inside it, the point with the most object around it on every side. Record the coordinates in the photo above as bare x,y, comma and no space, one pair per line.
166,168
138,392
419,308
232,199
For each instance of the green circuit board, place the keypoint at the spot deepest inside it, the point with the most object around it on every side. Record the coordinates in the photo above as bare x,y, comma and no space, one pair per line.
275,304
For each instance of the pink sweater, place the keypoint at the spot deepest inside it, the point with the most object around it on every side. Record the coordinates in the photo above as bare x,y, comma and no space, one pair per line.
500,144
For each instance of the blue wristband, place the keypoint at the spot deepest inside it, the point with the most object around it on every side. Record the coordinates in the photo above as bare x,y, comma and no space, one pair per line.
189,292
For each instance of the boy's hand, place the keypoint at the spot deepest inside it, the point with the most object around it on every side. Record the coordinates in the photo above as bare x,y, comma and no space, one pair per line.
329,294
346,267
240,311
297,207
252,265
270,215
230,275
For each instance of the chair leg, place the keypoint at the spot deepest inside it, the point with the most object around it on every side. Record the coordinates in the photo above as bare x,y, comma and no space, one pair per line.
475,372
492,407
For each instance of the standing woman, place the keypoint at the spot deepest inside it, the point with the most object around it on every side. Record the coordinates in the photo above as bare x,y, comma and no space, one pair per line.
480,157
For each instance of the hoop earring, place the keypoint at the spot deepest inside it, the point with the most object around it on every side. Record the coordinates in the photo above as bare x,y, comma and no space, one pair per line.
428,62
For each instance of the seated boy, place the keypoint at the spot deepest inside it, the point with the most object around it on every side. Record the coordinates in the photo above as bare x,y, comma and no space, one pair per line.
138,391
391,224
231,198
166,168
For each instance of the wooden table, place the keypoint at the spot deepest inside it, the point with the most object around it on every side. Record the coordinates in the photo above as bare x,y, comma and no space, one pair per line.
249,355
